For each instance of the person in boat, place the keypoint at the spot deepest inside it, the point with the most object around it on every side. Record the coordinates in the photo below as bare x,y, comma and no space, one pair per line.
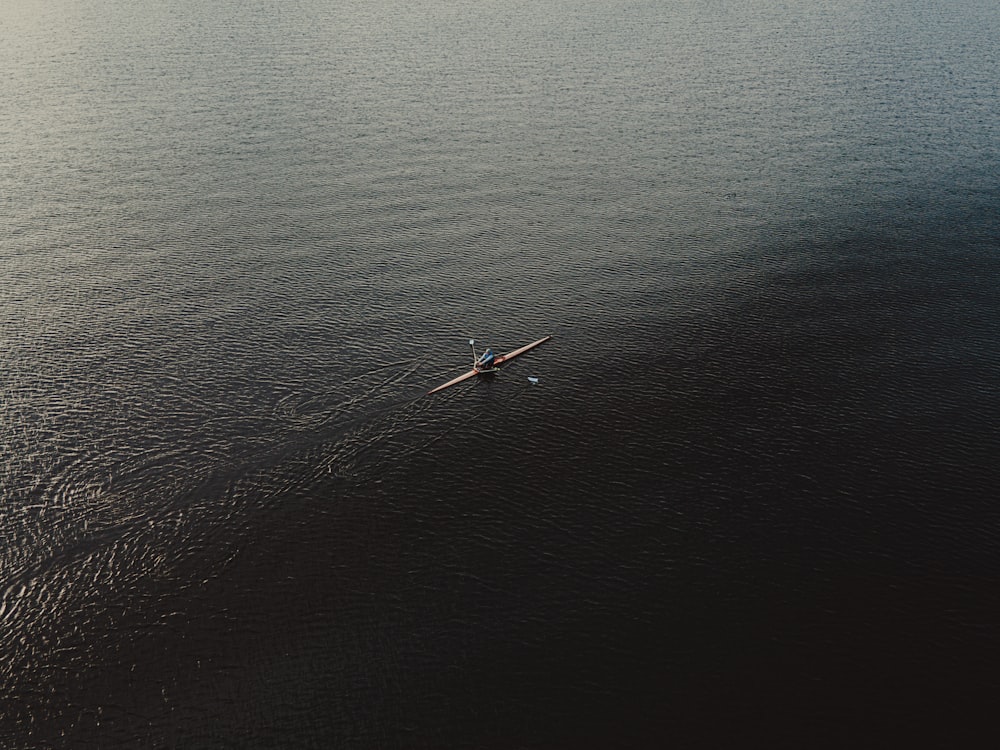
485,362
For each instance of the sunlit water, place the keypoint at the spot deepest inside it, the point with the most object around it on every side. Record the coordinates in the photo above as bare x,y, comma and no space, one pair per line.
753,492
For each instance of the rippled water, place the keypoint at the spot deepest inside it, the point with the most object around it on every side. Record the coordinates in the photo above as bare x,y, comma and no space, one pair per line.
753,493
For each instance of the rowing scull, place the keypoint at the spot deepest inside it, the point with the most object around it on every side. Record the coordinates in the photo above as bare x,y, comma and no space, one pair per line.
496,361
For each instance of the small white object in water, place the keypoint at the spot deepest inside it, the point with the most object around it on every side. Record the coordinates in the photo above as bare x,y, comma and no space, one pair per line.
533,381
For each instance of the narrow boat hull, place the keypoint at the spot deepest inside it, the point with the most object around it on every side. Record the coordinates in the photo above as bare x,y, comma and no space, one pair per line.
502,358
522,350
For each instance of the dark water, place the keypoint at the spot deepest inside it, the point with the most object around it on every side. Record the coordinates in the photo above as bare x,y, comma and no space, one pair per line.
753,496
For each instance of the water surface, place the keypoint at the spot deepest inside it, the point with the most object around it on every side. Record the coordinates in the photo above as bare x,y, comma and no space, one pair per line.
752,494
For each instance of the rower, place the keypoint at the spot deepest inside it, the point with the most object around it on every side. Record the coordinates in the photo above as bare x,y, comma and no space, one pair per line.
485,362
